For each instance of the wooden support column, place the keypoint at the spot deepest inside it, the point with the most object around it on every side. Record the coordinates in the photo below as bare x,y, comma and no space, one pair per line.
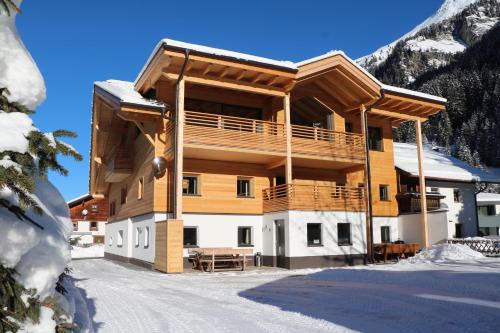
288,134
423,196
179,150
368,190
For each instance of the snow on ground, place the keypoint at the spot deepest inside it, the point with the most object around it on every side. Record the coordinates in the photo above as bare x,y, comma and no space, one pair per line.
461,294
447,44
92,251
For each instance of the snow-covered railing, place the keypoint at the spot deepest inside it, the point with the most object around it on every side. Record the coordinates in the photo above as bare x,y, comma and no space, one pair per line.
489,247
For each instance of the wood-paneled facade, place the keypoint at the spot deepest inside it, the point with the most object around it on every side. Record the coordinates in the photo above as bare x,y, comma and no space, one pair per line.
294,131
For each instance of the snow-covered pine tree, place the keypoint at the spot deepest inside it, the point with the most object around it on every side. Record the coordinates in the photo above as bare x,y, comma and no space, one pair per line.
26,156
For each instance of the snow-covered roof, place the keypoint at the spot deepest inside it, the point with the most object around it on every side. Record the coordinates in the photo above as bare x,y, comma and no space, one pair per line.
438,165
288,65
413,93
79,199
488,197
124,91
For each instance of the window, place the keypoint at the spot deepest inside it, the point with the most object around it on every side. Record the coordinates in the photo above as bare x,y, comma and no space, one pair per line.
385,234
93,226
119,238
190,185
94,208
244,188
314,237
348,127
434,190
75,226
490,210
137,232
123,195
245,236
112,208
146,237
190,236
140,188
458,230
375,138
344,234
384,192
110,241
457,195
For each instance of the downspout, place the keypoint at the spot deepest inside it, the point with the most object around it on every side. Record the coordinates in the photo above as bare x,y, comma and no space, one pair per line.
371,258
483,187
176,124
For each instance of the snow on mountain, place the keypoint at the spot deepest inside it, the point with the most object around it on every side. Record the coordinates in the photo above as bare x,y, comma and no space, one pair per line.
448,42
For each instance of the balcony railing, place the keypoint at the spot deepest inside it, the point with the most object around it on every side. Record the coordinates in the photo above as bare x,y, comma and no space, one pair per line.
323,143
210,130
311,197
410,202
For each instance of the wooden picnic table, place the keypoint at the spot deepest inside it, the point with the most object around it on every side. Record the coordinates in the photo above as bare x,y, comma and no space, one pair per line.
212,259
400,249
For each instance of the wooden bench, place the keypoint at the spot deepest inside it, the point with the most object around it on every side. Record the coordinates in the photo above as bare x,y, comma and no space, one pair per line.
217,259
386,249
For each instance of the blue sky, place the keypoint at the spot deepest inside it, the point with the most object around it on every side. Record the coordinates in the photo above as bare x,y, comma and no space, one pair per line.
78,42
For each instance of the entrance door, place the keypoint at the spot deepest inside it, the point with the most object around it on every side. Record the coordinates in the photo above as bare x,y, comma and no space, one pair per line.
280,243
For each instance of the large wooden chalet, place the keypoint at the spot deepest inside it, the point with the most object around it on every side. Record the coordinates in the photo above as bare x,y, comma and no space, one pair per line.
213,148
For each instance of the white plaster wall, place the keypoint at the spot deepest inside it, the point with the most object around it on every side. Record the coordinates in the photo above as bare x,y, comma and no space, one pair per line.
410,229
391,222
458,212
141,252
216,230
112,231
86,236
296,230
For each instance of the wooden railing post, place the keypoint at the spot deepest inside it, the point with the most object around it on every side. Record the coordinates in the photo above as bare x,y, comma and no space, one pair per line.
288,133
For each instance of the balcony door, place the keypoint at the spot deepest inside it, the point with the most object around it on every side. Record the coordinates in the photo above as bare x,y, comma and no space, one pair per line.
307,112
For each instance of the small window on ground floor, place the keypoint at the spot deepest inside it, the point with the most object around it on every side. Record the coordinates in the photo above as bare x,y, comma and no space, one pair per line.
93,226
385,234
314,234
110,241
457,195
344,234
146,237
458,230
119,238
75,226
137,232
190,236
244,236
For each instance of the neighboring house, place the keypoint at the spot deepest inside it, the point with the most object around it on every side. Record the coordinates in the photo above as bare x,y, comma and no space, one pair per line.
213,148
89,216
450,186
488,206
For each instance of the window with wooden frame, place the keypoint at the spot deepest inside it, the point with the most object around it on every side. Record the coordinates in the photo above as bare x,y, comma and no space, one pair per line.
140,188
123,195
93,226
383,192
375,139
385,234
191,184
112,208
244,187
190,237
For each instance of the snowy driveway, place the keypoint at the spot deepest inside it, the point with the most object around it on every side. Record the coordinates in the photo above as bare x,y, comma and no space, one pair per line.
453,297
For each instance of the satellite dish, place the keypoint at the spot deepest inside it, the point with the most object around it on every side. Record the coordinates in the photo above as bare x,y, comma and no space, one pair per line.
85,212
159,165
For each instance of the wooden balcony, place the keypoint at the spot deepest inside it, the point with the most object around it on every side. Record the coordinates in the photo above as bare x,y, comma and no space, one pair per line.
319,143
231,136
409,203
310,197
118,166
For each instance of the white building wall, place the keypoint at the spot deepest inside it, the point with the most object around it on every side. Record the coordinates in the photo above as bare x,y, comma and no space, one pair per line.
410,229
138,227
458,212
221,230
269,232
391,222
85,234
111,238
296,229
